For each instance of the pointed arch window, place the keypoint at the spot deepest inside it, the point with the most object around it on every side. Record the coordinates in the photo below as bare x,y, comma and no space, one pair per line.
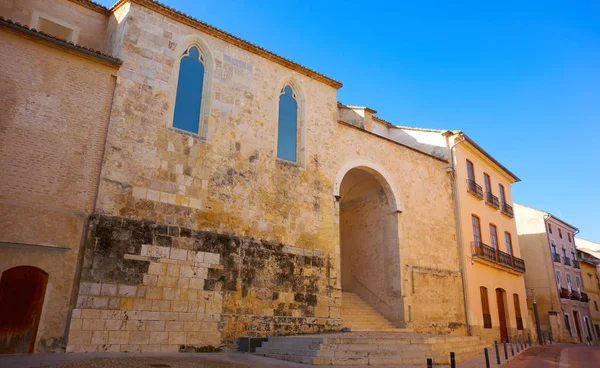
287,127
190,85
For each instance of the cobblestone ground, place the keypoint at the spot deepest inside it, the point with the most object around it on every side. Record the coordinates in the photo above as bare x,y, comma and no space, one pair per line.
151,362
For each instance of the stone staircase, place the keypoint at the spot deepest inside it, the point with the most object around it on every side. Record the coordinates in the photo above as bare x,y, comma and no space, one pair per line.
371,348
373,340
358,315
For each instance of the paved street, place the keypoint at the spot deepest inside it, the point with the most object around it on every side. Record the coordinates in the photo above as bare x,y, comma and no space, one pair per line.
558,356
555,356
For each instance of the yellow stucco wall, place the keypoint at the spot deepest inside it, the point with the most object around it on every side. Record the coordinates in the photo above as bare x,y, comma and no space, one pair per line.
487,274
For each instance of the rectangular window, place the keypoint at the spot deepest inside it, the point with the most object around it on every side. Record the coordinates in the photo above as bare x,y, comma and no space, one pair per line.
502,197
485,307
568,324
596,307
559,233
55,29
550,228
518,312
569,280
553,249
573,256
569,236
494,236
488,183
476,229
508,240
578,282
564,253
558,280
470,171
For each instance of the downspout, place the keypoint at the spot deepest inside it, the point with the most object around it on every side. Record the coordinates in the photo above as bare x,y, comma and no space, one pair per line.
546,217
459,235
86,220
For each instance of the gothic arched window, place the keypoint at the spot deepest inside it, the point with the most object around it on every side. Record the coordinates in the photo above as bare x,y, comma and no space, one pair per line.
190,84
287,132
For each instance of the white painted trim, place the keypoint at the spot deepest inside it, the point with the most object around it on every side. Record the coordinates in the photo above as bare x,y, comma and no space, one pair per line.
378,171
209,66
35,21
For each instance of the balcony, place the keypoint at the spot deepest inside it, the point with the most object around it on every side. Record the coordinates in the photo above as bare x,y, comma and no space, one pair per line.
574,295
474,188
485,252
564,293
584,297
575,264
567,261
492,200
507,210
556,257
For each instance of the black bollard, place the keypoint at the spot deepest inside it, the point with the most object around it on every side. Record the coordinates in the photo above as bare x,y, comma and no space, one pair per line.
452,360
529,339
487,358
550,337
429,363
497,352
522,343
517,342
505,351
543,339
512,349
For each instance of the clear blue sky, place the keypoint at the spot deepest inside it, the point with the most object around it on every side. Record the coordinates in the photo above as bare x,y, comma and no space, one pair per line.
522,78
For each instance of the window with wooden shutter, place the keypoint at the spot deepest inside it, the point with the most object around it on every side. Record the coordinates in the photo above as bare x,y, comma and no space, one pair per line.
485,307
518,312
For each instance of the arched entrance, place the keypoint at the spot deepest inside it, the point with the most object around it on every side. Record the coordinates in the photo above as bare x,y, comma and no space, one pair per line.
369,247
22,291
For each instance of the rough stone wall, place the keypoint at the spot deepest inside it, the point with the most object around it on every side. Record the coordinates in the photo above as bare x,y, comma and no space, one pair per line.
150,287
91,24
231,186
51,141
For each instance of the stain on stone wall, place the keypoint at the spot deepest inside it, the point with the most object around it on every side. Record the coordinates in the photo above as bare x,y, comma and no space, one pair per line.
151,287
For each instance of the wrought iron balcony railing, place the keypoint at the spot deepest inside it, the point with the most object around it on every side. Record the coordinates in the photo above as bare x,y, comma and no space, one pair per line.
575,264
556,257
564,293
584,297
474,188
486,252
567,261
507,210
492,200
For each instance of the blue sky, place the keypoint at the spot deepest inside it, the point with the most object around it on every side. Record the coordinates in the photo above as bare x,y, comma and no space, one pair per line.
522,78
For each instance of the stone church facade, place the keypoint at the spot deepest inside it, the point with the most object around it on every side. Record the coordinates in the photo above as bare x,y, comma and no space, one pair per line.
200,238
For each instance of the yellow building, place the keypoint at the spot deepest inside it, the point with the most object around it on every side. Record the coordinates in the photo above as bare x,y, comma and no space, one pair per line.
489,250
591,284
488,242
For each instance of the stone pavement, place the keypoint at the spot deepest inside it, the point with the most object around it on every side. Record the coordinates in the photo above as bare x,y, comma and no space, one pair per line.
218,360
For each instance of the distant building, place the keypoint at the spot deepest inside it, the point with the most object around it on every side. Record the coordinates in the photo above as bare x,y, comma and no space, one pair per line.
590,274
554,278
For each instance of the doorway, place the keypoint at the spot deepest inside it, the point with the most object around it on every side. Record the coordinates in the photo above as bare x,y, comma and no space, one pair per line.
22,291
369,245
501,301
577,325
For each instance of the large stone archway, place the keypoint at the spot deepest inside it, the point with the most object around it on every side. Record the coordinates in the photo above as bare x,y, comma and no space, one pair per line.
369,243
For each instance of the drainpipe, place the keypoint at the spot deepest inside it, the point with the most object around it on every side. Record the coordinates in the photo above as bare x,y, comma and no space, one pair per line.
459,235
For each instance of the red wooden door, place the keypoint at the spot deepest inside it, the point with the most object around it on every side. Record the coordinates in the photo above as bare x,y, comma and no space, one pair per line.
22,291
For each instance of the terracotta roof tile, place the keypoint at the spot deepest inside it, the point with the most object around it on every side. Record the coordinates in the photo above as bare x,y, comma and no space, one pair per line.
23,28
